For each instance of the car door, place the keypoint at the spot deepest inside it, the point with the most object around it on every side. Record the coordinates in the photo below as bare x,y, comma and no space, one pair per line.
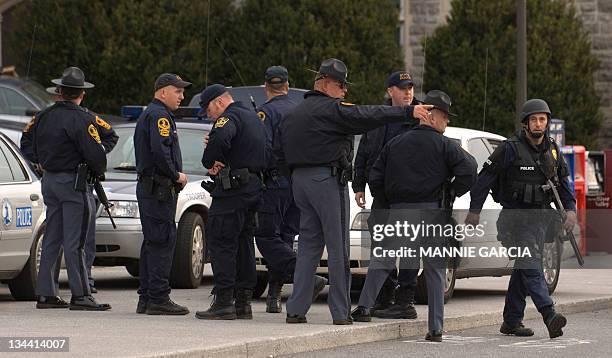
21,204
480,148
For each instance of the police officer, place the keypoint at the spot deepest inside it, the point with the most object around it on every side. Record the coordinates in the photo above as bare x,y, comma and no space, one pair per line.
317,138
235,156
410,173
109,139
400,90
63,136
516,171
160,178
278,217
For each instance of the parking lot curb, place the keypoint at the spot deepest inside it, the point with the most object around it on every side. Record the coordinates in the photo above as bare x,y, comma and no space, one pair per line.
374,332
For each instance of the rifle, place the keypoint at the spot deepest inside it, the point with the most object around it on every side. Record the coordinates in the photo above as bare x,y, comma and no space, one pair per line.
561,211
103,199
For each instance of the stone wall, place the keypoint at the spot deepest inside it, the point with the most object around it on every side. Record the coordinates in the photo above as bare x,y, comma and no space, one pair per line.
596,16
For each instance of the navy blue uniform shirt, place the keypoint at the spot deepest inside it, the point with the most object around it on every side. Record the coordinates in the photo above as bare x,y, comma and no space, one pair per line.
156,143
486,179
413,166
319,131
64,135
272,113
238,140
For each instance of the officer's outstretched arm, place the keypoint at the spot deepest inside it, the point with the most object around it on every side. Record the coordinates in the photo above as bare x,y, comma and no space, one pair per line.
353,119
161,146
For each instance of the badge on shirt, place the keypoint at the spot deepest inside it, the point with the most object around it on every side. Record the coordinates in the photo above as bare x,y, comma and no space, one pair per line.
102,123
221,122
347,103
93,132
163,125
554,153
261,115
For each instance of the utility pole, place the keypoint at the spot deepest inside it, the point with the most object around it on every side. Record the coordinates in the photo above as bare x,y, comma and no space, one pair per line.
521,57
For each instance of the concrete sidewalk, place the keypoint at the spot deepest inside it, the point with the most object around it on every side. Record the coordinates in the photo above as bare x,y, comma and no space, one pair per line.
122,333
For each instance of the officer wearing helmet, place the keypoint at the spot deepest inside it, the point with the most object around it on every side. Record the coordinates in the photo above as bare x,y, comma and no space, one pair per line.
517,172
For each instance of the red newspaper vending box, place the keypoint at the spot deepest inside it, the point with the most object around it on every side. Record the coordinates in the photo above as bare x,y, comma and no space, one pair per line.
599,191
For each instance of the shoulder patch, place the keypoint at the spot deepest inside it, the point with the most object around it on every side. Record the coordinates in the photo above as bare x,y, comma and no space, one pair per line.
347,103
28,126
163,125
93,132
221,122
102,123
554,153
261,115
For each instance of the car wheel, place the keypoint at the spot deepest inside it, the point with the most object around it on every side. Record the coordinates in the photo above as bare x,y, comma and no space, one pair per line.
133,268
421,288
188,263
23,287
551,263
262,284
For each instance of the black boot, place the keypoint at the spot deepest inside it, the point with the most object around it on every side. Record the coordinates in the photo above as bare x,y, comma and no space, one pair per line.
519,330
168,308
361,314
319,285
273,301
385,296
554,322
403,307
222,306
243,303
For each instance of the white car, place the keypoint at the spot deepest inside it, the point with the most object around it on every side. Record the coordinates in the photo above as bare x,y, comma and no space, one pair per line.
480,145
22,226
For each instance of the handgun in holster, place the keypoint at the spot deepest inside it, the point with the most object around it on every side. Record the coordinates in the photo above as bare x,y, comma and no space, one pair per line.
81,178
163,188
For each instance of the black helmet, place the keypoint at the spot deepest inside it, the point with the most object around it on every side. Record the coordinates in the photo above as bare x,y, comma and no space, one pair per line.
532,106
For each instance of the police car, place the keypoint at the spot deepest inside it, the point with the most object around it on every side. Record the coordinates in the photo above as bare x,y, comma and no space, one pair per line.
480,144
22,221
121,246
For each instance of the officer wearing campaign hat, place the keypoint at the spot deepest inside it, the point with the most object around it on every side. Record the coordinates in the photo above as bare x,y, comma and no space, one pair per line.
160,179
379,297
109,139
279,218
234,157
63,136
317,139
400,178
524,219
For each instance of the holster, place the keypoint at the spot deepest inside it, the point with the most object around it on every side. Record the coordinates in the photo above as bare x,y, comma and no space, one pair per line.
81,178
163,188
233,178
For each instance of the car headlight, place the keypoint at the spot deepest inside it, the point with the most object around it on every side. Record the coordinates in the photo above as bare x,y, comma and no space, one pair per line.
123,209
360,222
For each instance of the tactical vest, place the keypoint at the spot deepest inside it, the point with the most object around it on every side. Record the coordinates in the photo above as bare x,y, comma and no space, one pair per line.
530,170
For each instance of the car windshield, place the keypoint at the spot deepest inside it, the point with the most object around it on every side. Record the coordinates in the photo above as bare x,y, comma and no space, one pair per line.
38,93
122,158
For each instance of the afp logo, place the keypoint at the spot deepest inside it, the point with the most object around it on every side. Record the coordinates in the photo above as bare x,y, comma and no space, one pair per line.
527,168
7,213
